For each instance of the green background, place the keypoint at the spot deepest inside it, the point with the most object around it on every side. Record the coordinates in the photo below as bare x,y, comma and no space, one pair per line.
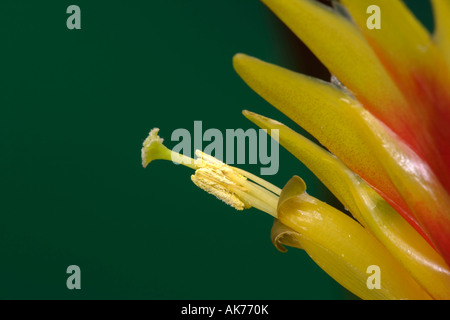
76,107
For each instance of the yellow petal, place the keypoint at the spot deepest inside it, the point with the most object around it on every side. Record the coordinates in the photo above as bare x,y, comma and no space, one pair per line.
343,248
343,50
404,47
401,37
335,175
326,167
332,117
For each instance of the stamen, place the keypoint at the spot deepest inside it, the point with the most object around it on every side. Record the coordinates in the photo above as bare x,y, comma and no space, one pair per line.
229,184
219,191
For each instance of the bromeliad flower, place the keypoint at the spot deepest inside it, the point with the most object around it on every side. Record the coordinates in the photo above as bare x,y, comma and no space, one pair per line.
384,128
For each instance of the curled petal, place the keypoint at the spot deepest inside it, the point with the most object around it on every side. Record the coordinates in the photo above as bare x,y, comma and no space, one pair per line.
342,247
282,236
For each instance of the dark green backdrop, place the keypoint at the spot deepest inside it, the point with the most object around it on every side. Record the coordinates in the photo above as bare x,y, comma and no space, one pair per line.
76,106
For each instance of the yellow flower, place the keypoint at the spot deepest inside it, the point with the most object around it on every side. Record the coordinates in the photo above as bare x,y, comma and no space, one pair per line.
385,127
